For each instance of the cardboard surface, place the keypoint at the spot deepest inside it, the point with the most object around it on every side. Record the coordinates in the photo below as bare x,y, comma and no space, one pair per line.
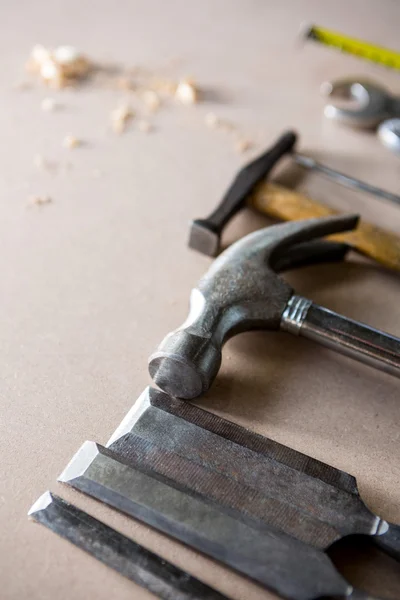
92,282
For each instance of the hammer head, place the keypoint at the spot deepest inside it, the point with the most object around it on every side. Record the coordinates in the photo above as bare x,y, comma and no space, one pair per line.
205,233
240,291
204,237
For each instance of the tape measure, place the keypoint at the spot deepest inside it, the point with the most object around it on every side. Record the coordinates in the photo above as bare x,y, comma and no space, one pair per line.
356,47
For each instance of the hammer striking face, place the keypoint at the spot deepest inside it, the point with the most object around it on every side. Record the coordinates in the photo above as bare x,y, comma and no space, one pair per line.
242,291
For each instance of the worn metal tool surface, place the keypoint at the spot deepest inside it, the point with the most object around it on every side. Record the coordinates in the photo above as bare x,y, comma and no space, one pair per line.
292,568
205,233
283,204
371,106
248,473
118,551
241,291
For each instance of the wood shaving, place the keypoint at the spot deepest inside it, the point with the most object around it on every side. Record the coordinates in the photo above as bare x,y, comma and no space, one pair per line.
186,92
243,145
120,118
70,142
214,122
59,67
166,87
125,83
144,126
39,200
48,105
39,55
151,100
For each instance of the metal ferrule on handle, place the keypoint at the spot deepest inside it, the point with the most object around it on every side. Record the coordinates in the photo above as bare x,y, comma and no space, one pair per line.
351,338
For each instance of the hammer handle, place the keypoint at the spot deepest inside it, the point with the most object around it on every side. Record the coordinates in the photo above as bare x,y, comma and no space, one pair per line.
354,339
245,181
351,338
286,205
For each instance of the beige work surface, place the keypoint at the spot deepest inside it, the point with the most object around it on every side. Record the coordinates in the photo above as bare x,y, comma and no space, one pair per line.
91,283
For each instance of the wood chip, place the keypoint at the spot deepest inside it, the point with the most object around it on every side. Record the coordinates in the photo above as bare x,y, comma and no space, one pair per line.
70,142
72,62
151,100
125,83
186,92
120,118
166,87
39,55
242,145
39,200
60,67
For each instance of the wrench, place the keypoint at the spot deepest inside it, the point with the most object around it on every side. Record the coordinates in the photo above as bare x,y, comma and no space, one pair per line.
373,106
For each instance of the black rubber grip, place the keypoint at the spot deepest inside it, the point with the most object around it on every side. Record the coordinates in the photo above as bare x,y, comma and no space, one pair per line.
245,181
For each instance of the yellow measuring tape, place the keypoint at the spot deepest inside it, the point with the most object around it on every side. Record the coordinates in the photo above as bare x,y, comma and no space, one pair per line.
349,45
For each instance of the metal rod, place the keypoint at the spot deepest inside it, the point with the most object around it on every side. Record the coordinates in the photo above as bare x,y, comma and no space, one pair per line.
351,338
342,179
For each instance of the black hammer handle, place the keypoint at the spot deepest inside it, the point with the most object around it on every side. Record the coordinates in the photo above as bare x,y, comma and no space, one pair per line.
246,180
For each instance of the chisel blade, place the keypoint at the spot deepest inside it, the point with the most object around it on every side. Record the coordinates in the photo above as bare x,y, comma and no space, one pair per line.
231,432
119,552
303,497
281,563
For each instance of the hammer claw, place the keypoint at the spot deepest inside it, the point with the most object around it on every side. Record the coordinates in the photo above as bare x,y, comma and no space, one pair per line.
311,253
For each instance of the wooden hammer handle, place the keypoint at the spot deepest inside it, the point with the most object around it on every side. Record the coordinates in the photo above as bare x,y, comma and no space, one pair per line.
286,205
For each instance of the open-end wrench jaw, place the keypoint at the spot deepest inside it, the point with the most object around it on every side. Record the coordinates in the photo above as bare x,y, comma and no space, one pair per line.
241,291
371,103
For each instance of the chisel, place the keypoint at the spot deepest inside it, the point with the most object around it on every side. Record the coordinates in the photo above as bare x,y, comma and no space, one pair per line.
307,498
119,552
281,563
168,455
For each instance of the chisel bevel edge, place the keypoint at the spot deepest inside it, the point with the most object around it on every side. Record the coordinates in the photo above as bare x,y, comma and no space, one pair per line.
275,560
237,434
117,551
246,472
281,563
